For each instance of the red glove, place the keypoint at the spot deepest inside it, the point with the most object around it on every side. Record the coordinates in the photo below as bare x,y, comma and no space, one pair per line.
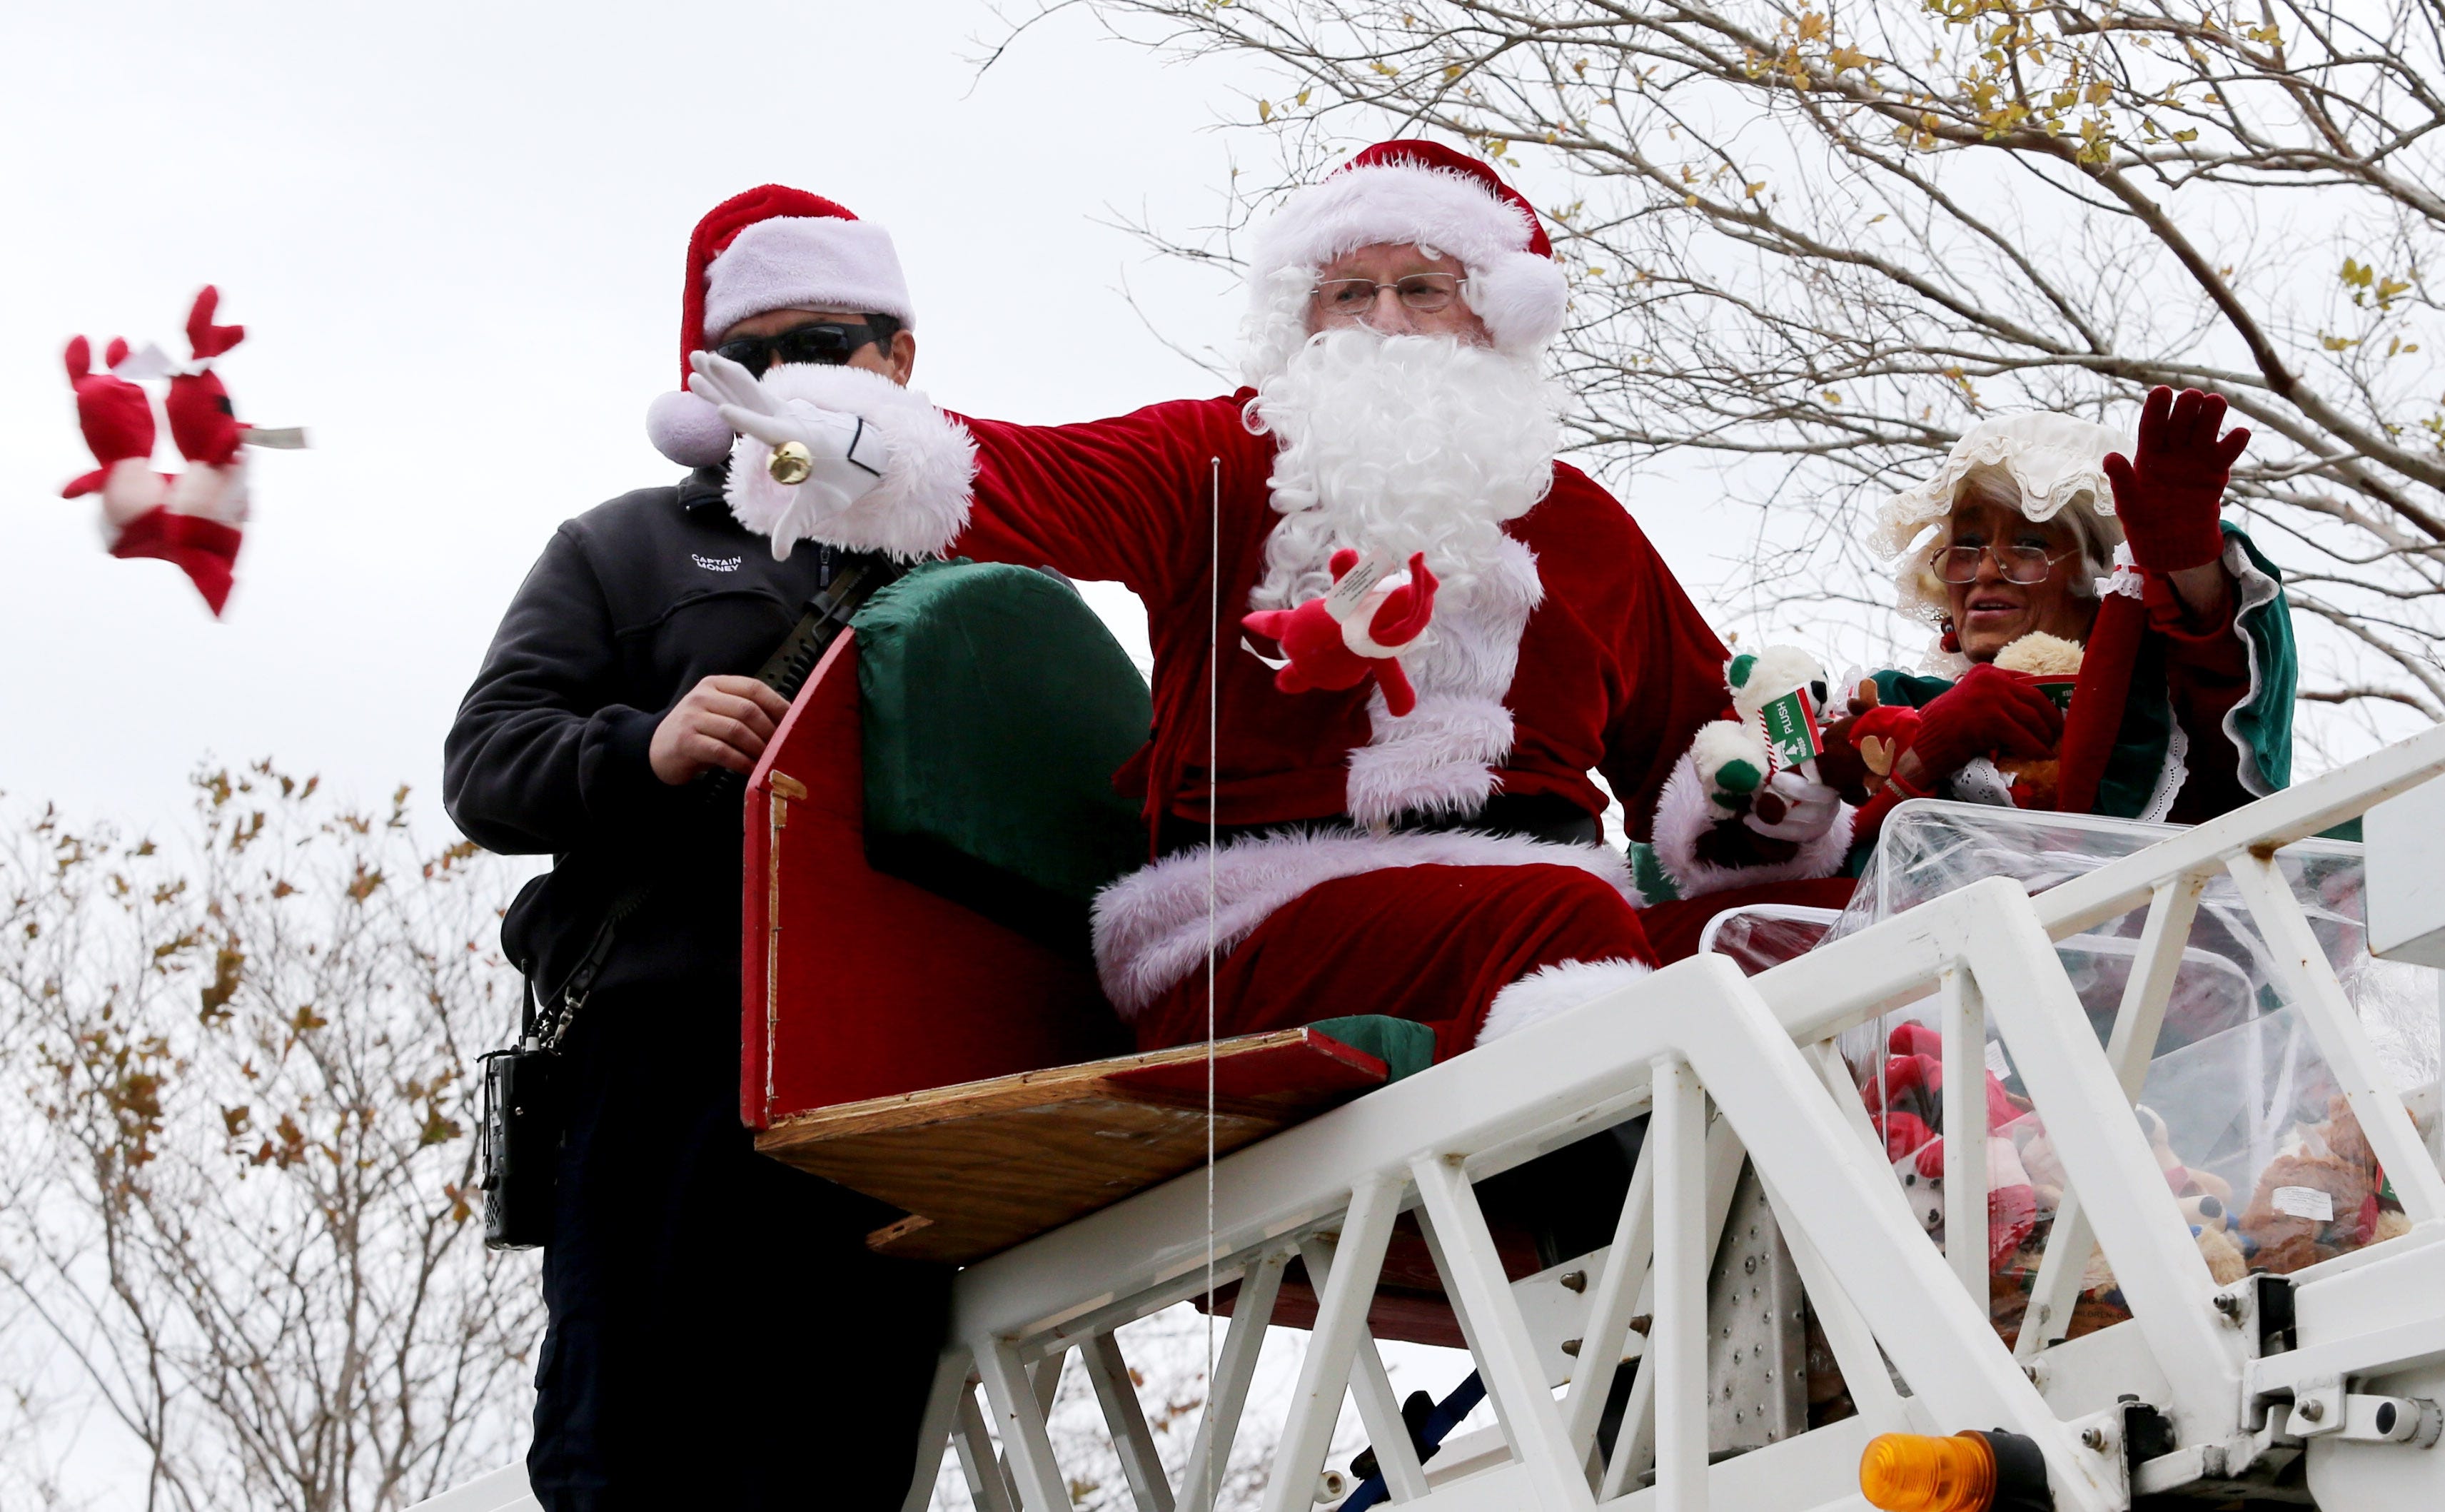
2170,491
115,414
1989,712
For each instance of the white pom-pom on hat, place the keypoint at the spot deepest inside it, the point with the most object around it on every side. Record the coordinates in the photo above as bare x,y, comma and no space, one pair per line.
1521,297
687,430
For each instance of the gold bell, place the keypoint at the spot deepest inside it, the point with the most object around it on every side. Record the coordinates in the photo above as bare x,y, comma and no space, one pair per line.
790,463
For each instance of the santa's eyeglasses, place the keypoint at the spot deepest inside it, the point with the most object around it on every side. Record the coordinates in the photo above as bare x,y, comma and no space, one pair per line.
829,342
2021,562
1423,292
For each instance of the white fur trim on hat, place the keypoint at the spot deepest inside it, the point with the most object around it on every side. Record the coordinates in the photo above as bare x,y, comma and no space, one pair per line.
1152,927
806,262
1519,295
1555,989
687,430
917,510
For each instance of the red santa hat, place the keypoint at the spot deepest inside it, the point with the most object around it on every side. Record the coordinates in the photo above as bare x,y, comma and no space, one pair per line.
771,248
1425,193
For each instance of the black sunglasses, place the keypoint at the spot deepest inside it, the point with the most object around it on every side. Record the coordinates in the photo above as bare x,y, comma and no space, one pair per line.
828,343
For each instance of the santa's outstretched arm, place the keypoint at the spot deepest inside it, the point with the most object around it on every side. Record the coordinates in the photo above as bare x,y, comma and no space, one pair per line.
1126,499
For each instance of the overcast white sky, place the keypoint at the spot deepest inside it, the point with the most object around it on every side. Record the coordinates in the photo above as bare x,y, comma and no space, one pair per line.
455,234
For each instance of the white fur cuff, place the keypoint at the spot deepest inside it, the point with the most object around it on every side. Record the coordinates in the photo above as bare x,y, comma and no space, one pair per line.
1683,814
1152,927
917,510
1555,989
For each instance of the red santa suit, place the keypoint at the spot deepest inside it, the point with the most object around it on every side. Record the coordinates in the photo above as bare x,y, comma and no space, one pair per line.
1368,864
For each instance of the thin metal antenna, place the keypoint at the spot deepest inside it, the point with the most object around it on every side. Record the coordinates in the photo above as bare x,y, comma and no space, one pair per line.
1213,837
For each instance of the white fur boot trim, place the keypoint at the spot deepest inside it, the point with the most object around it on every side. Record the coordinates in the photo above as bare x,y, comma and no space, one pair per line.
917,510
1682,813
1152,927
1555,989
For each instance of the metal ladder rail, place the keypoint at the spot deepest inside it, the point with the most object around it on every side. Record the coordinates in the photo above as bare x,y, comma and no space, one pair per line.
1922,959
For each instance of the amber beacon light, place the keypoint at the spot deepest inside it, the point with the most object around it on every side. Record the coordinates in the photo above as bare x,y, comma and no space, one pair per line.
1968,1472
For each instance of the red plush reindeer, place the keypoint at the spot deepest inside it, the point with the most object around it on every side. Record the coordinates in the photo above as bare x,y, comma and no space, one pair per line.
191,520
1342,638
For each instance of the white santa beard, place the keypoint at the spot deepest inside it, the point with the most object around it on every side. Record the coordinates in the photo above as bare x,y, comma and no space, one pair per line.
1408,444
1398,445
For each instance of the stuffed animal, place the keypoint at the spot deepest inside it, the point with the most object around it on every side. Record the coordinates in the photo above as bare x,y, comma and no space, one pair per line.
2322,1195
193,519
1906,1106
2046,660
1341,640
2224,1261
1862,745
1777,696
1746,804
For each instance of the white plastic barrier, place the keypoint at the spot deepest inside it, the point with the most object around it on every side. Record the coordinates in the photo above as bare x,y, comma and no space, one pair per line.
1761,1051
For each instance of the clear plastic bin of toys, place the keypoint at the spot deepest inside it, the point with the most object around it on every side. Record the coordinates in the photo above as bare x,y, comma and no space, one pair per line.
2265,1155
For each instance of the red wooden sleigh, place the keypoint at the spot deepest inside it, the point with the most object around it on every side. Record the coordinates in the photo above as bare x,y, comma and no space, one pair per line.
903,1045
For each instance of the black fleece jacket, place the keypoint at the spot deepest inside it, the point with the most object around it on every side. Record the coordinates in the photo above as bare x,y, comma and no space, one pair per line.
630,604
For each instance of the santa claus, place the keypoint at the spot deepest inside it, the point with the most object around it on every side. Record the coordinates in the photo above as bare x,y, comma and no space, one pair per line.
1444,864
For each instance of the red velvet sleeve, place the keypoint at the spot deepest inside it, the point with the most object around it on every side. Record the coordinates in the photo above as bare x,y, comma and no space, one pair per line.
1672,683
1126,499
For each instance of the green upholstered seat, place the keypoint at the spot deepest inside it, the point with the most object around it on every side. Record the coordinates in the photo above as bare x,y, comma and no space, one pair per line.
996,709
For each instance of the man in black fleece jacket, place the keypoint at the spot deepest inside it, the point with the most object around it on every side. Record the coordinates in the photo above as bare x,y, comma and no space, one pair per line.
719,1333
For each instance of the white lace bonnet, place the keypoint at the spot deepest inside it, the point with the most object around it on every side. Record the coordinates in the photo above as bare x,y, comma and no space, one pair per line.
2054,462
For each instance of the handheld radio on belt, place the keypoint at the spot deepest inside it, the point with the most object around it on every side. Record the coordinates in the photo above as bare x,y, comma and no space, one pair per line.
520,1127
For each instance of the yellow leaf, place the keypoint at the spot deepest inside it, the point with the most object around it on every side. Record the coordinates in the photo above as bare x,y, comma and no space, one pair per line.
1833,397
1812,26
1757,189
1264,110
1385,69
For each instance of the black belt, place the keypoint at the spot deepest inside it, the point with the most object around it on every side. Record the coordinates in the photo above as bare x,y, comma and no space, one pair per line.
1546,816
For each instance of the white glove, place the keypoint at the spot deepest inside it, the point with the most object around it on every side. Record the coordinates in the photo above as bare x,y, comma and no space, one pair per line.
1809,807
847,456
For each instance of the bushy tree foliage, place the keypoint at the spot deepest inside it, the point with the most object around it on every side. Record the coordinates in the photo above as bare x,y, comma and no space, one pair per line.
1814,241
240,1222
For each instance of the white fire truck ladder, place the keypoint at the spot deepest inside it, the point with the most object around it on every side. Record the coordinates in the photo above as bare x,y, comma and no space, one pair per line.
2204,1391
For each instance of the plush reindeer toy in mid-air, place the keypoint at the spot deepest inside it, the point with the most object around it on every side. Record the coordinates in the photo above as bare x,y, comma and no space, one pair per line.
193,518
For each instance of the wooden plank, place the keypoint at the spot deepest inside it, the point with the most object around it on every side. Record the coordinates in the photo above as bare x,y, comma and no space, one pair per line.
982,1165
